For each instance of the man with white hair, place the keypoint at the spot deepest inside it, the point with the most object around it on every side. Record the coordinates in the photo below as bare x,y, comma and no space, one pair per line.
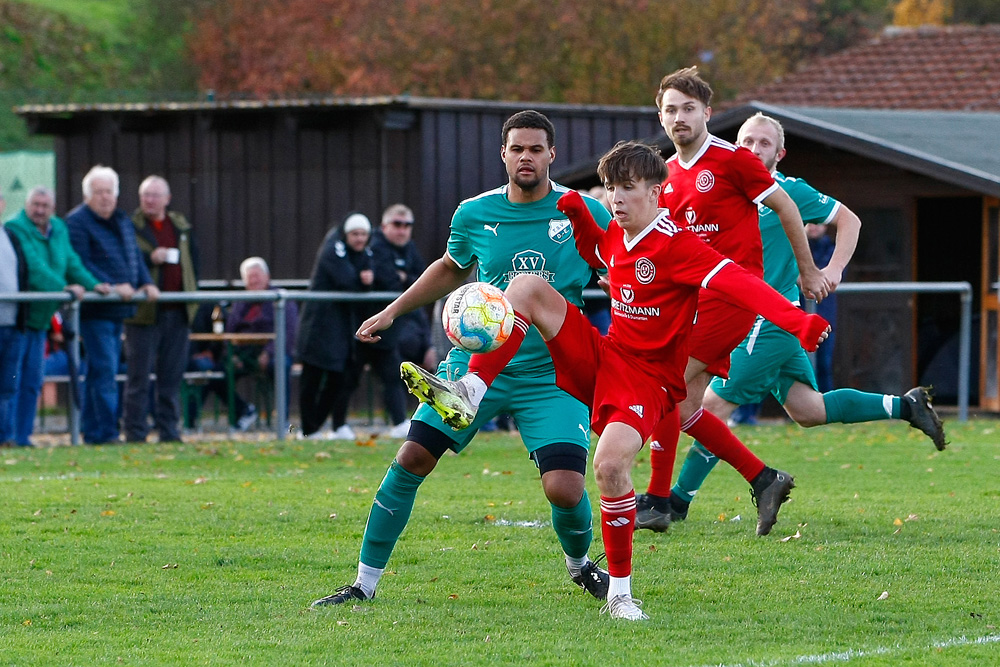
156,338
103,236
258,317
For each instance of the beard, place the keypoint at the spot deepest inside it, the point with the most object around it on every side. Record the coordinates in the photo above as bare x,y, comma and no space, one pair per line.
526,182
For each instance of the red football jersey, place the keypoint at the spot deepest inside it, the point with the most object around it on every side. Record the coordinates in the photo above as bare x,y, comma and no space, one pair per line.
655,278
716,195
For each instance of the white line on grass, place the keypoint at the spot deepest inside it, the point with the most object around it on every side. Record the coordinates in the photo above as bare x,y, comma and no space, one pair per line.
853,654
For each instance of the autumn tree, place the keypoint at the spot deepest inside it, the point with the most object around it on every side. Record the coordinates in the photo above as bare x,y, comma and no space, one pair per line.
581,51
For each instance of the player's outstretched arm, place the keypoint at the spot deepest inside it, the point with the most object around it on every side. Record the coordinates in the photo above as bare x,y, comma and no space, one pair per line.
586,231
437,280
741,288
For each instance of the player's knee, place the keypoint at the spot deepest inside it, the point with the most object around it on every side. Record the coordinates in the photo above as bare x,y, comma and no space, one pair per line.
415,459
610,472
805,416
566,492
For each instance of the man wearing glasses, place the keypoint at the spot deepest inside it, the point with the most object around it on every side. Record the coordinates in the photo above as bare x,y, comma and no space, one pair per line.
394,243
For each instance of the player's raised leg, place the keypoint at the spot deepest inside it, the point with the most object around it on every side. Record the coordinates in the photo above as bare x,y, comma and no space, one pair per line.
457,401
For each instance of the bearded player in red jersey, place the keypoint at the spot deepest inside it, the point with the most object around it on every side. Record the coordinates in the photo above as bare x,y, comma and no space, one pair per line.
713,189
633,376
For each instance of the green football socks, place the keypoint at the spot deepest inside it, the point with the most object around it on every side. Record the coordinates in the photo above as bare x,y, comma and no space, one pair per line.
574,527
850,406
697,464
389,514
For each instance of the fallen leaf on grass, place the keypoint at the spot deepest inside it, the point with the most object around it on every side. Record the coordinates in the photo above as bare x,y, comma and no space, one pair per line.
108,513
884,596
200,480
897,522
796,536
343,623
332,516
489,517
453,596
323,455
169,566
912,517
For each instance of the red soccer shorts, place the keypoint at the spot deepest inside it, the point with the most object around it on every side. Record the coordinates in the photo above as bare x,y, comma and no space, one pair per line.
718,329
618,388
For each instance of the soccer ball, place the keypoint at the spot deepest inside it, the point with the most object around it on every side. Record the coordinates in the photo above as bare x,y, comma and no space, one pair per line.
477,317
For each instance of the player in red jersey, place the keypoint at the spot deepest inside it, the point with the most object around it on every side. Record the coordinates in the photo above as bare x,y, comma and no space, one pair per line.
634,375
713,188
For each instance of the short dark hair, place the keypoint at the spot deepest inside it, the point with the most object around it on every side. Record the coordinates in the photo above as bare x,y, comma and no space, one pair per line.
687,81
632,161
532,120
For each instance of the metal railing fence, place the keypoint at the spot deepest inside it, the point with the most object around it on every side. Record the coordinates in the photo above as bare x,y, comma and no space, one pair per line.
280,297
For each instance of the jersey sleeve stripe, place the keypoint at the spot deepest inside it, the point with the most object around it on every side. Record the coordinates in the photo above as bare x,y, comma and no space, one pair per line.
457,263
766,193
833,213
711,274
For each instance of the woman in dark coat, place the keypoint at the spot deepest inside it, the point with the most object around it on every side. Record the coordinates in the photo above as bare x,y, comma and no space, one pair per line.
332,360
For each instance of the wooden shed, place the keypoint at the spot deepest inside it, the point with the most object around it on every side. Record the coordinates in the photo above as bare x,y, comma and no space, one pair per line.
269,178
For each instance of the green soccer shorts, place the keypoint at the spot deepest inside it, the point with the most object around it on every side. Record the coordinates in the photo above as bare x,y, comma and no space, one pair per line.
545,414
768,361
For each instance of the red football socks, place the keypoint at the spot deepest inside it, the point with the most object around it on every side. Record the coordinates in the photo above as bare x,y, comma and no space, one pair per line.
713,433
488,366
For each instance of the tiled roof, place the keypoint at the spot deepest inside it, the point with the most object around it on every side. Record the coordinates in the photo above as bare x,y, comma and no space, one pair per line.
943,68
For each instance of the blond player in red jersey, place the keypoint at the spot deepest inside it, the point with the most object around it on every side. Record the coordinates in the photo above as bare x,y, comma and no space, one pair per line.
714,188
633,376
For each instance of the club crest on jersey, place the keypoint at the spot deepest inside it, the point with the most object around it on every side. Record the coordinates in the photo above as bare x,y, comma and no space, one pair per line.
705,181
628,296
645,270
690,216
560,231
531,262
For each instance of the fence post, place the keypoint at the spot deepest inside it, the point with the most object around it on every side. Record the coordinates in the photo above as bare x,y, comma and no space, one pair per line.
964,338
280,376
74,352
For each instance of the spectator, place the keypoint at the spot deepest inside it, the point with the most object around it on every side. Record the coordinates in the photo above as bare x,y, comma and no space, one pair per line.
332,360
256,317
103,236
393,243
156,338
53,266
13,278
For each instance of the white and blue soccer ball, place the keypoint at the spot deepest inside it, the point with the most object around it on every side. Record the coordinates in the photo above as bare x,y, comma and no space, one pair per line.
477,317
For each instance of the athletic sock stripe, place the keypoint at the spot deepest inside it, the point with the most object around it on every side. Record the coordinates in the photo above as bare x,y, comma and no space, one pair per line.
521,324
692,420
618,506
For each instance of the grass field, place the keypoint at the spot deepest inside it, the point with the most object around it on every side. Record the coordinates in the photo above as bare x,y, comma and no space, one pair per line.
210,555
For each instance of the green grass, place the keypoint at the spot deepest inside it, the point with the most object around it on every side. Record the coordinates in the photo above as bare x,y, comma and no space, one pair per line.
210,554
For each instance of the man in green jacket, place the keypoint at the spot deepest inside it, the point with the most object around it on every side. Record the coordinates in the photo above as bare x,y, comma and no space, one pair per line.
53,266
156,338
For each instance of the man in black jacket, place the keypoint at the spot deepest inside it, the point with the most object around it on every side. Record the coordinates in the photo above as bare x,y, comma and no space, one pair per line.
394,243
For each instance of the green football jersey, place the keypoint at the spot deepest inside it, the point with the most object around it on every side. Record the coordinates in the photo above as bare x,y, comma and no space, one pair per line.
508,239
780,269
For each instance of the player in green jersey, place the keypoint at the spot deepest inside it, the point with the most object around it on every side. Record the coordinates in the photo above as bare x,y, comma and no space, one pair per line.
512,230
771,361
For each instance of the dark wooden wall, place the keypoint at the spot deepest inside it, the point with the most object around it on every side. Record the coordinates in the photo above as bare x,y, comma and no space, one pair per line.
272,181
